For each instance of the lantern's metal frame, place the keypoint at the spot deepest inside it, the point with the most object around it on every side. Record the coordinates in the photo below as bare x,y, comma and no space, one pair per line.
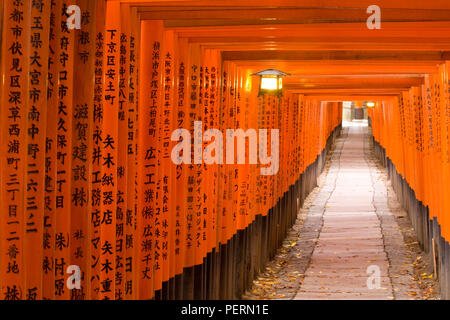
270,73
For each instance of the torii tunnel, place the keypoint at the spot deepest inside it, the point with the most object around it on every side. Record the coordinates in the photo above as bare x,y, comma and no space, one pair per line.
145,154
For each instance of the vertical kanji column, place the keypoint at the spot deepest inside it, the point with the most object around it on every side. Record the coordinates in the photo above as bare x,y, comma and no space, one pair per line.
13,115
38,53
130,245
82,145
149,101
167,196
93,249
48,281
180,116
64,78
109,151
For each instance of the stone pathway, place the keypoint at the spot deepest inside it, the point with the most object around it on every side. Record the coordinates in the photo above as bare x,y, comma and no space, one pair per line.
351,239
346,243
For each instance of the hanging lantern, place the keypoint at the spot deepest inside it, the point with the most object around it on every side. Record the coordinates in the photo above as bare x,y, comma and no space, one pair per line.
370,104
271,81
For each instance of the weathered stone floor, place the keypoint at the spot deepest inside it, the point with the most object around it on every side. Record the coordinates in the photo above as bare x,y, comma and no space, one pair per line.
346,237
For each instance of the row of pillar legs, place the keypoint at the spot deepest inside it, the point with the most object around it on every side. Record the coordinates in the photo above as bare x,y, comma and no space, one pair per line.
428,230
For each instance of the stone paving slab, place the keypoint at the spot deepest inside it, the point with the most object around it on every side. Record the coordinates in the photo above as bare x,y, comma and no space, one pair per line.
325,295
349,270
350,208
339,284
353,235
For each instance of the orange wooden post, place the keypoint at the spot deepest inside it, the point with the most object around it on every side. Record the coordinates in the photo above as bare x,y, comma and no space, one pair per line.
222,171
443,94
13,149
276,124
241,168
193,229
405,111
167,188
93,249
212,101
149,101
256,121
263,180
401,114
180,113
425,145
400,124
109,155
409,107
82,130
272,104
308,132
437,164
48,280
434,151
123,150
64,77
446,104
131,245
209,122
418,116
200,170
446,222
36,108
302,133
285,118
157,85
234,168
251,101
226,208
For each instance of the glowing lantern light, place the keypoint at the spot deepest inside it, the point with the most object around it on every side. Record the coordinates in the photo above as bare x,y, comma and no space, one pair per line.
271,81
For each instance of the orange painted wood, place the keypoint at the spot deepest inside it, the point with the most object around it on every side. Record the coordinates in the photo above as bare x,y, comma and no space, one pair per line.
109,152
48,277
13,149
82,132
